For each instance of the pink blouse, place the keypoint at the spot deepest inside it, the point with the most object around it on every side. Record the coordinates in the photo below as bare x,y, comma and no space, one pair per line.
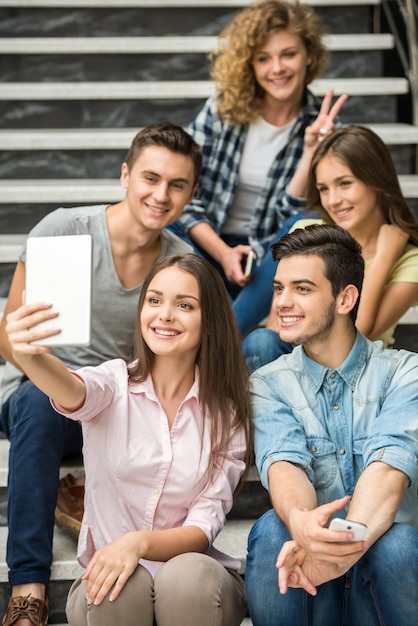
142,476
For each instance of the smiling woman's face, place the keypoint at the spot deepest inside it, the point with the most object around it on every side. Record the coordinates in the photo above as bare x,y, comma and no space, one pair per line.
280,67
171,317
347,200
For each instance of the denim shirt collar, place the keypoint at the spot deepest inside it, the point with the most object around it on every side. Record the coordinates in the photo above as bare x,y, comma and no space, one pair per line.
349,370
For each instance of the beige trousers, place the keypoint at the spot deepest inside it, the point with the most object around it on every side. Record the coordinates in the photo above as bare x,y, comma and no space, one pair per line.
189,590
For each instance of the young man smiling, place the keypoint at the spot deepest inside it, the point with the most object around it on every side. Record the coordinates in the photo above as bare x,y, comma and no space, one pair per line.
160,176
336,434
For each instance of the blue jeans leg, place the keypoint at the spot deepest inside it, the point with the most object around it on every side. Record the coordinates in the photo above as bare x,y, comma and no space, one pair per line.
263,346
384,588
253,303
380,590
39,437
266,605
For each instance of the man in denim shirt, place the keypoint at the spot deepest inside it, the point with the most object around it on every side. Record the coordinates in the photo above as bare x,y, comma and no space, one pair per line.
336,435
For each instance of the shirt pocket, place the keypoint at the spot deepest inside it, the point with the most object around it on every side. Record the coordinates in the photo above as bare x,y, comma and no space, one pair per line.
323,461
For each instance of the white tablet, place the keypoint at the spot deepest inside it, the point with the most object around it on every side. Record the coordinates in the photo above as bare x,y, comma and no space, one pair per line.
58,270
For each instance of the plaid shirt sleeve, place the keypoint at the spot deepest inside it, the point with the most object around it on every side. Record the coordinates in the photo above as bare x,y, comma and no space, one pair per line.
209,131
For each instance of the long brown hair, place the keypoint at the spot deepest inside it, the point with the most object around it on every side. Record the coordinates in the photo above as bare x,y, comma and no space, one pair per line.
239,95
223,376
370,161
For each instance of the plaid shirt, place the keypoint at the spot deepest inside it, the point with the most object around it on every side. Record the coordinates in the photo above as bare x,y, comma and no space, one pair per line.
222,145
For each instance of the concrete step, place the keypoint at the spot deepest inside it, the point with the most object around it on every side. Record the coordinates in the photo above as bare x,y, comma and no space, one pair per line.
166,3
187,89
89,191
120,138
166,44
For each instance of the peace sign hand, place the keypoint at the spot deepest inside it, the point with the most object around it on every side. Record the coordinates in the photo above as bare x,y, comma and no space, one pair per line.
324,123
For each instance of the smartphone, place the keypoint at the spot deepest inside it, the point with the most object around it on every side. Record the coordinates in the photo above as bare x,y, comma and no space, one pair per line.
357,528
248,263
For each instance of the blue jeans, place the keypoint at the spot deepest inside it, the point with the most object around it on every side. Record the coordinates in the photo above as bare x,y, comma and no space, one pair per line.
380,590
262,346
252,303
39,438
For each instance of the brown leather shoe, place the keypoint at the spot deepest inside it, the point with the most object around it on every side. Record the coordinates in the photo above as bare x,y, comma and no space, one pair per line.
26,611
70,506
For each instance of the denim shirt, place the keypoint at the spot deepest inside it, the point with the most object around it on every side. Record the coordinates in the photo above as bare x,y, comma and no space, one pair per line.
334,423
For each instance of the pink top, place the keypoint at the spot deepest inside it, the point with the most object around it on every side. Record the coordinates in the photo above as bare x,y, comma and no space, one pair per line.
139,474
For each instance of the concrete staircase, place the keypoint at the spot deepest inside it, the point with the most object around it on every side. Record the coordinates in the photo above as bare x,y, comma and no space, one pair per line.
78,80
80,77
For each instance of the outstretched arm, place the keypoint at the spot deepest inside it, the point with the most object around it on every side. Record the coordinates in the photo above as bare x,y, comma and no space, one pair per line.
14,301
47,372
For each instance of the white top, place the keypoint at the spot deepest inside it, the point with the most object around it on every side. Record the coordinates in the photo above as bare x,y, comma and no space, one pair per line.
263,142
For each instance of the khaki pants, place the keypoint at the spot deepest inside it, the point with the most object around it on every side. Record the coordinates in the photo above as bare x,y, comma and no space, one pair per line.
189,590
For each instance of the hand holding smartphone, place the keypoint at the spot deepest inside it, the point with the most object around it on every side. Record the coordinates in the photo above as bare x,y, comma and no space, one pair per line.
248,263
358,529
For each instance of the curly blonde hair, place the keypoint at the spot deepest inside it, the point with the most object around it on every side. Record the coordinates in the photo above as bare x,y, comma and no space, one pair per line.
239,97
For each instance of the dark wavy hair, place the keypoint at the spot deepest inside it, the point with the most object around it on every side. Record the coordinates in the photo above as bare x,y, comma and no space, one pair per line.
223,375
340,252
370,161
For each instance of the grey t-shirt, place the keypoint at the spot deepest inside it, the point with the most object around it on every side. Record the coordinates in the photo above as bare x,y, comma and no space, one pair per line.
114,308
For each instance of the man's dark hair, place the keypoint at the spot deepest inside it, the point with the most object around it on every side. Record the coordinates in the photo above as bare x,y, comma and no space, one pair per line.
340,252
166,135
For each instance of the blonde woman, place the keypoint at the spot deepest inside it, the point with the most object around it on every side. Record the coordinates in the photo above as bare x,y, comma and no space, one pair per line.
258,135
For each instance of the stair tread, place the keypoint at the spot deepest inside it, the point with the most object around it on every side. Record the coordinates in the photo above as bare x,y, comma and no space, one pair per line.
186,89
166,3
120,138
166,44
74,191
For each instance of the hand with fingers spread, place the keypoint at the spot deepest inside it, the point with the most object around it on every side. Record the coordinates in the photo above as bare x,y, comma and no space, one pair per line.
324,123
23,329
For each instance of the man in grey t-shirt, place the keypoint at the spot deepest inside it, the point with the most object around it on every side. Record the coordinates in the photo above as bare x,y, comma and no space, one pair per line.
160,176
